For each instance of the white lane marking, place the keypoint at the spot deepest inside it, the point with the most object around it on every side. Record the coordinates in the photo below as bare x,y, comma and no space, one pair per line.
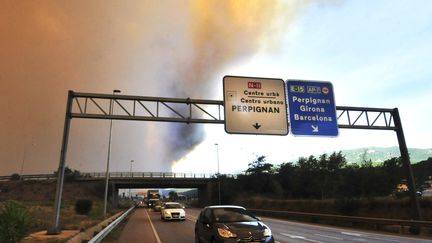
300,237
384,239
153,228
319,227
293,236
191,218
330,237
351,234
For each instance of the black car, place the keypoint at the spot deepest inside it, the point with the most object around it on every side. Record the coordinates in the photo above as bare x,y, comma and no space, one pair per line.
157,206
230,224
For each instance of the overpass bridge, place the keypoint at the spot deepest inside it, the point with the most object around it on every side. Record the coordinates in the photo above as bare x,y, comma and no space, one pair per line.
205,183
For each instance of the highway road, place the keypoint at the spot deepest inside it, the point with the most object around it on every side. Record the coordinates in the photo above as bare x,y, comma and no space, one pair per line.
145,225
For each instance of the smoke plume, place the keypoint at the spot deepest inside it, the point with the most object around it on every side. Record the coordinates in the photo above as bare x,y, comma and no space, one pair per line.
219,33
151,48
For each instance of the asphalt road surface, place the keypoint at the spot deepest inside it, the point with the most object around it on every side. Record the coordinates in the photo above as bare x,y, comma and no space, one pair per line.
144,225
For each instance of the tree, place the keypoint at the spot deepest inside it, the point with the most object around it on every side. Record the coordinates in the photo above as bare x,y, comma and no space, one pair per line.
309,164
364,161
336,161
15,177
173,196
258,166
323,161
259,178
287,177
69,174
308,179
393,173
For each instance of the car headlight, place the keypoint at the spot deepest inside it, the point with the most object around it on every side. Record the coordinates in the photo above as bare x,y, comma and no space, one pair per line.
267,232
226,233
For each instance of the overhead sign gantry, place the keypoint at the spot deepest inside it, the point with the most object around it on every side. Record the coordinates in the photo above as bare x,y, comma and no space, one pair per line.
101,106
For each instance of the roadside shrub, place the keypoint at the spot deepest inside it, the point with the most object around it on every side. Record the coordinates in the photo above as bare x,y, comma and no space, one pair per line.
69,174
347,206
99,189
15,177
15,222
83,206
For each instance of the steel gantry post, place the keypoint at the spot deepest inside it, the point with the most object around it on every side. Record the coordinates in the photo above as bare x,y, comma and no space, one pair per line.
383,119
415,205
55,229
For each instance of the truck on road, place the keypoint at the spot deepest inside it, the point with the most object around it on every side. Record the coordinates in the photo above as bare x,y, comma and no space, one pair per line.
152,197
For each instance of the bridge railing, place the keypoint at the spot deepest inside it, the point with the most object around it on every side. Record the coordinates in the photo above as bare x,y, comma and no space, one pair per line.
29,177
96,175
148,175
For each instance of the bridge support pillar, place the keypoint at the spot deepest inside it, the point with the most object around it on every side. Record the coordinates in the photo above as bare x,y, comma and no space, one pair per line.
207,194
204,195
114,198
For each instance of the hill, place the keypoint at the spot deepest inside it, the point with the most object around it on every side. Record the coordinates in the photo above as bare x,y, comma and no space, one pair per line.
380,154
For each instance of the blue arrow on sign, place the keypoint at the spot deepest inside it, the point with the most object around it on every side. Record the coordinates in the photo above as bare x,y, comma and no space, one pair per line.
312,108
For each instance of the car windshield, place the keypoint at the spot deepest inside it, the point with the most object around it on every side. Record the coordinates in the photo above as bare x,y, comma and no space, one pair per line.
232,215
174,205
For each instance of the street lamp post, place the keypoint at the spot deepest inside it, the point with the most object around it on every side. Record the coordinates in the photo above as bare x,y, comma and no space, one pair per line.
218,173
109,153
130,193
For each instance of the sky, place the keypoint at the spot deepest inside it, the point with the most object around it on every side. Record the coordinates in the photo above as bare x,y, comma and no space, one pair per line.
375,53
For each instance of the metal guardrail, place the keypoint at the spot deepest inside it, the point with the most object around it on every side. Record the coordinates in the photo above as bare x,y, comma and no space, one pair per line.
101,235
375,221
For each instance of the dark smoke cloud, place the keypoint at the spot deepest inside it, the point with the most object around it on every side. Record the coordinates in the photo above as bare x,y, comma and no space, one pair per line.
150,48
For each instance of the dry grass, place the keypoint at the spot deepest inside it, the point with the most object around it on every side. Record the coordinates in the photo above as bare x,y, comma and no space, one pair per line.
38,198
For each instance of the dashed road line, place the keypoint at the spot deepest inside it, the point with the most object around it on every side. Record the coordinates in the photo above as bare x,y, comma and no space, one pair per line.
330,237
300,237
351,234
383,240
193,219
153,228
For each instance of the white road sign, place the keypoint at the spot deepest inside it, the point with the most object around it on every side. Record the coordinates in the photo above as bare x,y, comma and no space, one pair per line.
255,105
